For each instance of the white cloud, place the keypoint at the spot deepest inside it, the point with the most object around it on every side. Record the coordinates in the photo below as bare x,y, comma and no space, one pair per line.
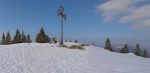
114,7
146,22
126,11
142,24
138,14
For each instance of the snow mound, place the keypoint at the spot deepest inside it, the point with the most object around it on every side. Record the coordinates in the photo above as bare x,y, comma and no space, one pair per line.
48,58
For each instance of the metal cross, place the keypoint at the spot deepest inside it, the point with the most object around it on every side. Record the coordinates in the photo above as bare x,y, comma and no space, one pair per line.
63,17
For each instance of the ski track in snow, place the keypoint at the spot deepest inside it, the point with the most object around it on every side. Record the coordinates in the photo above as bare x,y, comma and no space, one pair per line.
43,58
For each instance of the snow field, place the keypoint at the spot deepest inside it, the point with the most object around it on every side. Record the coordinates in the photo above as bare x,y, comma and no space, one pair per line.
49,58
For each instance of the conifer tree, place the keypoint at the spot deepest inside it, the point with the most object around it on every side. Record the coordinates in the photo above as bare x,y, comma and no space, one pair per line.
125,49
48,39
24,39
108,45
8,38
17,37
145,54
28,39
138,50
41,37
3,39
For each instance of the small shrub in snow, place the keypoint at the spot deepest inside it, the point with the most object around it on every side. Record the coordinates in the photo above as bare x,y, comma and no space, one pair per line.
76,47
54,40
65,46
76,41
83,45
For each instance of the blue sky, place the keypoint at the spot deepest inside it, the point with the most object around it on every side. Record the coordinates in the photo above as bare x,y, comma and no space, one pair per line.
87,20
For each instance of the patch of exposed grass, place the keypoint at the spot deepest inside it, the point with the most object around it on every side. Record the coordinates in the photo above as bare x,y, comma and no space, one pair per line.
65,46
83,45
76,47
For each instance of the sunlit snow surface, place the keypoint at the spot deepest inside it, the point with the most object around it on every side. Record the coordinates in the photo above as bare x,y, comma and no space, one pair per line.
49,58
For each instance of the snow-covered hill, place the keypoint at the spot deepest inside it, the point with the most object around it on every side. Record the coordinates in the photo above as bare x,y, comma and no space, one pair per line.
49,58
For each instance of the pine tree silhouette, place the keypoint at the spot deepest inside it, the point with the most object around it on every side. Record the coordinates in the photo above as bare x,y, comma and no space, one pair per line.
8,38
138,50
41,37
108,45
125,49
